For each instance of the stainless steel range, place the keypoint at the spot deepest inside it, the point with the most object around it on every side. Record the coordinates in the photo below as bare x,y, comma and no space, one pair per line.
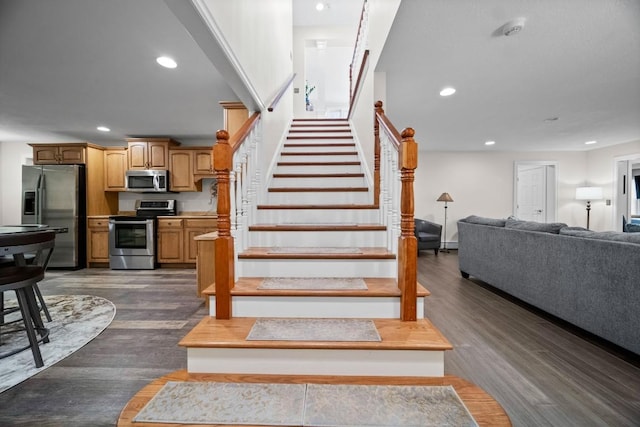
133,239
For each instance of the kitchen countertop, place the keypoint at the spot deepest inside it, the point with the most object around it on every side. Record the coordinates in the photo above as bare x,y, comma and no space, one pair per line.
207,236
28,228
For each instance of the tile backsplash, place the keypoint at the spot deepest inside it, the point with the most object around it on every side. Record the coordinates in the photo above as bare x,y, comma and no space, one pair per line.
187,201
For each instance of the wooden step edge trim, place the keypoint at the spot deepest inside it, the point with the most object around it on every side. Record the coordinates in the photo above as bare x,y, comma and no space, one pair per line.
340,125
318,189
242,289
319,144
318,130
311,227
320,137
337,207
318,164
319,153
318,175
314,256
320,120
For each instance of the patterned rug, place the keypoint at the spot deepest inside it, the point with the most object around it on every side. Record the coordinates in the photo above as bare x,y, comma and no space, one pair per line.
318,250
76,320
313,283
306,404
313,330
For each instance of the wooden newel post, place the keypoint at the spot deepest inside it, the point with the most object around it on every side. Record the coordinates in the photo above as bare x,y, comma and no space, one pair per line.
224,259
376,154
407,243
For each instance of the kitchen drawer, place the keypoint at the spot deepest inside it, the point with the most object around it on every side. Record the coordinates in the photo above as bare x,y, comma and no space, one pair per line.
200,222
98,222
170,223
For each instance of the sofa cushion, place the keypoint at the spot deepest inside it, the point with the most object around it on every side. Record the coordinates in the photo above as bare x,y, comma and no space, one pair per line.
427,237
616,236
632,228
494,222
552,227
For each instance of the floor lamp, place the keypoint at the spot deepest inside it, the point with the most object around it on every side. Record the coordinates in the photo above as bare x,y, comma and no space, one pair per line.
446,198
588,194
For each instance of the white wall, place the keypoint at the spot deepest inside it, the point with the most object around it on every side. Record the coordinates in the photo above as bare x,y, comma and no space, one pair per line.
12,157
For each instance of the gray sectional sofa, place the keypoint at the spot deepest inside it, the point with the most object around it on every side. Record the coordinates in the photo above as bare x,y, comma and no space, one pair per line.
589,279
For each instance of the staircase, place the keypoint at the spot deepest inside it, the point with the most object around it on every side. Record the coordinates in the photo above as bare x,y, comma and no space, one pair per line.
317,222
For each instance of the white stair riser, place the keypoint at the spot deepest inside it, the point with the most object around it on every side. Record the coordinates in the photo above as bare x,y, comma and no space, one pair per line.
315,139
322,149
319,198
323,361
317,168
343,239
277,267
320,158
337,123
297,182
317,307
292,136
320,216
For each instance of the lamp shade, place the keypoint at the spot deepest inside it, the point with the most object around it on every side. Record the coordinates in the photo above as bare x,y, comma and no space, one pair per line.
589,193
444,197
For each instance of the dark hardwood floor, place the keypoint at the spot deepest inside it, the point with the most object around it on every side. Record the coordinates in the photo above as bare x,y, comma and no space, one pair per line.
542,374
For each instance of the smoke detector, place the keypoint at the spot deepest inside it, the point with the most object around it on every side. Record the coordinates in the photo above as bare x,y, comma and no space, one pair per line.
513,27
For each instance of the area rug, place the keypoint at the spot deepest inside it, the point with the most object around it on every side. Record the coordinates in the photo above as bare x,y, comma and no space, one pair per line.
313,283
76,320
321,405
226,403
319,250
313,330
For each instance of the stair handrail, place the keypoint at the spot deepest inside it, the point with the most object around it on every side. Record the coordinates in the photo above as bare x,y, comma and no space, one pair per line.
361,44
281,92
235,161
395,161
359,82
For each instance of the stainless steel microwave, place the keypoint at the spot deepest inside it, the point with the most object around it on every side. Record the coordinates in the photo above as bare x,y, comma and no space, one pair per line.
147,181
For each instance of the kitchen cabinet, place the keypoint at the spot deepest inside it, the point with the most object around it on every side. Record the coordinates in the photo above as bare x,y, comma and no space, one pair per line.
58,154
205,261
194,227
235,114
149,153
98,240
115,166
170,240
181,167
203,162
176,242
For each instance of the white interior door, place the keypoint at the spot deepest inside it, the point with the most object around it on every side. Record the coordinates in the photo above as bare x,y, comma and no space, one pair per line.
531,194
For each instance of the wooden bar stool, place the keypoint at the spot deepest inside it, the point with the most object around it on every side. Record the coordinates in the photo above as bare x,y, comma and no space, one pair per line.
23,279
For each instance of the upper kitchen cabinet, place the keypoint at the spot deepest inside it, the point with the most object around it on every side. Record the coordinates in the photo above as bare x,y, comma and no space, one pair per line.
235,114
188,165
149,153
115,166
59,154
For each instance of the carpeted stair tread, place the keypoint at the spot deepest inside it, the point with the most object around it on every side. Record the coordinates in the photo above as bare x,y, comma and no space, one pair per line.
395,334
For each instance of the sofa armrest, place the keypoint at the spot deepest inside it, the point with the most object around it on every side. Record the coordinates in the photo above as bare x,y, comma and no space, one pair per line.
422,225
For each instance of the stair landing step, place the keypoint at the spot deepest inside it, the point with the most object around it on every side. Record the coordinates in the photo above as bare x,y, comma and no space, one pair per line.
485,410
376,287
317,227
263,252
395,334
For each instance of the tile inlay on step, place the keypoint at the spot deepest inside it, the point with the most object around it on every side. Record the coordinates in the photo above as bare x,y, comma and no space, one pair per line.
312,283
293,329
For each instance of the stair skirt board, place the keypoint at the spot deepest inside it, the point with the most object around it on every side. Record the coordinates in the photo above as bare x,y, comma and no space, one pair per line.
319,198
349,307
325,216
278,267
319,238
347,362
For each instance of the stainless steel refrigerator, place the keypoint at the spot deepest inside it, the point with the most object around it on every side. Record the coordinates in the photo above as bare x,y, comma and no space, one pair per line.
55,195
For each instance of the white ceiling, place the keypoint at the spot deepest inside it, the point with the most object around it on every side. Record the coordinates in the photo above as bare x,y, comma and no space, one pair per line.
67,66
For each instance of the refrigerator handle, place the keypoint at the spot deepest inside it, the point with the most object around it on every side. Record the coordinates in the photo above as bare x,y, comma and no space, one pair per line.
39,199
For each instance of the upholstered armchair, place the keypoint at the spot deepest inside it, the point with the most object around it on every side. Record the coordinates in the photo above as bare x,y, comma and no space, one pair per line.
429,235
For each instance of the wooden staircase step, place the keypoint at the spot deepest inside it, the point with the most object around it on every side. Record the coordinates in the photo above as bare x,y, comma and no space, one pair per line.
355,163
376,287
395,334
318,175
319,130
319,144
320,137
320,120
319,153
317,227
311,206
263,252
485,410
317,189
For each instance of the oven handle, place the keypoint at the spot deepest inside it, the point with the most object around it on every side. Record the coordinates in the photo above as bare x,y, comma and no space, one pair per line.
146,221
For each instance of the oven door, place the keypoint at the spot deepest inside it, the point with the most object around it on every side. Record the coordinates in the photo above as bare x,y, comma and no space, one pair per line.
131,237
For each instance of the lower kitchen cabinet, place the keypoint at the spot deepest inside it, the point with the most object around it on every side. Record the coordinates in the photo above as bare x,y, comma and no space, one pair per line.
170,240
97,240
194,227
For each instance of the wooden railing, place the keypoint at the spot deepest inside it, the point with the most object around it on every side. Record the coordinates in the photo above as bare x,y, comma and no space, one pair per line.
235,160
362,41
396,158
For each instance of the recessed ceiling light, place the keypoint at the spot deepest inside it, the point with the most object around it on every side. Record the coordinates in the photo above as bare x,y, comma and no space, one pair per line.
489,143
103,129
590,142
447,91
320,6
166,62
